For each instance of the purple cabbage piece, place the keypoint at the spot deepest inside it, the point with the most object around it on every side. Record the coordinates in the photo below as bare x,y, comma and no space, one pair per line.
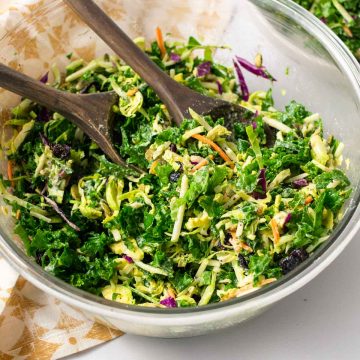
44,79
243,86
169,302
44,139
298,184
220,88
262,72
128,259
175,57
55,206
262,180
203,69
254,125
287,219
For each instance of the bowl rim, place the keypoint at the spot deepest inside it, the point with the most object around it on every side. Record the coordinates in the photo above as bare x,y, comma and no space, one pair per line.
264,296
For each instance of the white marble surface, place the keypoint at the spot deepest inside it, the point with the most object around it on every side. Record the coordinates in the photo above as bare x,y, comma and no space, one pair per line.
320,321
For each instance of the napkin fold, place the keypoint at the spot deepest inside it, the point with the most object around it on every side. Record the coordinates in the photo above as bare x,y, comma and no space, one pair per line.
34,325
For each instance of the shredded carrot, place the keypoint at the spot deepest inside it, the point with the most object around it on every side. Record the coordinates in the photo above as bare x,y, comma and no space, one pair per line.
171,292
153,166
10,172
201,164
347,31
275,230
267,281
160,42
216,147
18,214
308,200
241,244
245,246
132,92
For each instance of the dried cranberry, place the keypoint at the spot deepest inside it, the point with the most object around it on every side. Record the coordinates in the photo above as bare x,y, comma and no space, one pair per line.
228,237
243,262
173,148
61,151
300,254
257,195
288,264
43,115
38,256
174,176
295,258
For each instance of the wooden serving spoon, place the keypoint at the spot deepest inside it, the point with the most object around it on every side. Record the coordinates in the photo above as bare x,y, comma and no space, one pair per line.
92,113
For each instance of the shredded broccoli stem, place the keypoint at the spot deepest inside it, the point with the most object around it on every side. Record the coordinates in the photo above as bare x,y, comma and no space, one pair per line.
180,215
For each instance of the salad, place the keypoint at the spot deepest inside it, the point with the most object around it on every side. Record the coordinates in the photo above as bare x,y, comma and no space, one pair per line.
218,213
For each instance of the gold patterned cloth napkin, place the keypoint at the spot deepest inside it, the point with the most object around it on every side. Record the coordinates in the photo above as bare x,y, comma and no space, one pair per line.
34,325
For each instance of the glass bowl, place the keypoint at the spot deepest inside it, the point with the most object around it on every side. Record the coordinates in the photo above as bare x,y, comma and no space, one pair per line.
322,74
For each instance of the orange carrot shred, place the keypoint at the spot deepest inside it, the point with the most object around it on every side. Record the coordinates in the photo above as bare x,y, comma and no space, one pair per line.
160,41
201,164
246,247
347,31
10,173
18,214
308,200
267,281
216,147
275,230
242,245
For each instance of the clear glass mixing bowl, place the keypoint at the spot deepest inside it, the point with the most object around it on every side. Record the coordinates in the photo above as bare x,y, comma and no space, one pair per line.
322,74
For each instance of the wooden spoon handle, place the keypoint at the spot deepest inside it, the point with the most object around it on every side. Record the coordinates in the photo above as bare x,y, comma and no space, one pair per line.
69,105
25,86
124,47
76,108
